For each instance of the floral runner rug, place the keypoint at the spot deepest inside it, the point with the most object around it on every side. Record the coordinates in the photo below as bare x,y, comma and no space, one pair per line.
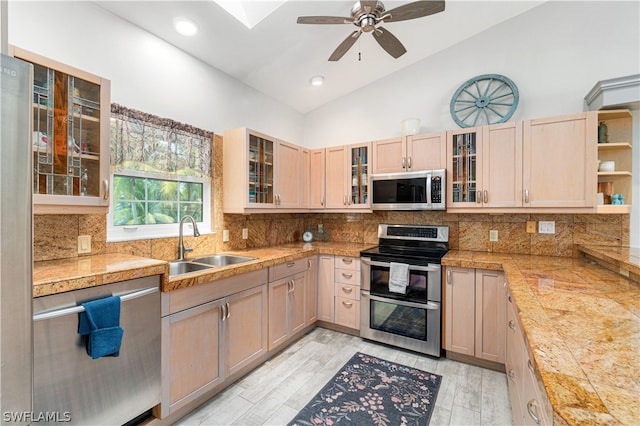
372,391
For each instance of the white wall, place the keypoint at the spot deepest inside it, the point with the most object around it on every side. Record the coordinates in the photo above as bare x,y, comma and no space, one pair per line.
554,53
146,73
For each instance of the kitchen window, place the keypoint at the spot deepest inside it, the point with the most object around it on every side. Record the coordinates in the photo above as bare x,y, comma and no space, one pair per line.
160,172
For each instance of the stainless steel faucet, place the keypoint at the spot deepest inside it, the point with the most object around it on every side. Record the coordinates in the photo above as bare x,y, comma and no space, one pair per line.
196,233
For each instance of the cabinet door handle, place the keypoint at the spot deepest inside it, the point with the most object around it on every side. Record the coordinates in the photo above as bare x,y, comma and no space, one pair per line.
223,311
290,264
347,275
512,325
322,201
347,261
228,310
530,405
403,162
347,304
486,197
308,264
344,200
408,162
478,197
526,195
512,375
105,184
347,289
530,366
292,284
449,276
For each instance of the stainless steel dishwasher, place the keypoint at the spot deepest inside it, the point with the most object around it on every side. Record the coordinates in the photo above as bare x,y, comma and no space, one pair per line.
70,386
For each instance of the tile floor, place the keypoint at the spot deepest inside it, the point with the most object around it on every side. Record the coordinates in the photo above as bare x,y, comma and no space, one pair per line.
275,392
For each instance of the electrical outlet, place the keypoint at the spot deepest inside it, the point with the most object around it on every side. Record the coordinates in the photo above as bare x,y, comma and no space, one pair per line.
531,227
320,228
225,236
493,235
245,233
547,227
84,244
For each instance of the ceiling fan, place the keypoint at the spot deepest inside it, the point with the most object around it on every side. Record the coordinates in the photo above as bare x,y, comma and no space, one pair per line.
367,15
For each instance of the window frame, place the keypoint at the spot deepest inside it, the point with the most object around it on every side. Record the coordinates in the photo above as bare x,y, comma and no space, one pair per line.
165,230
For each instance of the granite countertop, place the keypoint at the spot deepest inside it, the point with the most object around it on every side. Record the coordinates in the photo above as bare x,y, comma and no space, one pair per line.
582,324
57,276
625,260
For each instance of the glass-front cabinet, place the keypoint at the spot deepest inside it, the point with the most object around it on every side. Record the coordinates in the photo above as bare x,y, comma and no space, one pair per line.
260,170
463,169
70,137
359,176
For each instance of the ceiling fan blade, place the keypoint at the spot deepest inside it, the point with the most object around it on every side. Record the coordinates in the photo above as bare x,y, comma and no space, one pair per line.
368,6
345,46
324,20
389,42
417,9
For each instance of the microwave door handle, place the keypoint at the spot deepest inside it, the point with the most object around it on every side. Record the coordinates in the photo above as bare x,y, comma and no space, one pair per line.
428,305
366,261
429,190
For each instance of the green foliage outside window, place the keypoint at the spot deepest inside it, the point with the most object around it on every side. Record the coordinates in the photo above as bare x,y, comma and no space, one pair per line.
146,201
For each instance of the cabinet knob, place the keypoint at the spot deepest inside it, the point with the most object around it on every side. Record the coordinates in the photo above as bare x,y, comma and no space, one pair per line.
526,195
403,162
322,201
478,197
485,199
512,375
512,325
408,162
449,276
105,184
228,310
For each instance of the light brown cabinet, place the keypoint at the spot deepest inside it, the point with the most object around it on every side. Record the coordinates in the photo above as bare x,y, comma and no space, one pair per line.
326,288
70,144
286,308
560,161
484,166
529,402
316,194
475,313
210,332
339,290
260,172
409,153
347,177
311,291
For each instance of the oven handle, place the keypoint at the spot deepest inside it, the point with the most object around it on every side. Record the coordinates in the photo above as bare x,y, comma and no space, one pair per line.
366,261
428,305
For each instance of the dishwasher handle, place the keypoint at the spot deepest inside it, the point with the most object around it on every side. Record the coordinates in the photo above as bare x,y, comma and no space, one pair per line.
79,308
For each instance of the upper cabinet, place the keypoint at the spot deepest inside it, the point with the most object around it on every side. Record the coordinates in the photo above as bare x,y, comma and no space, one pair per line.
409,153
614,144
347,177
559,169
260,172
316,192
70,143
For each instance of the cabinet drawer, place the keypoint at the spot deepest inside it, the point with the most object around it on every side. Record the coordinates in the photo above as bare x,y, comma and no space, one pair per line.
288,268
347,313
347,276
347,291
350,263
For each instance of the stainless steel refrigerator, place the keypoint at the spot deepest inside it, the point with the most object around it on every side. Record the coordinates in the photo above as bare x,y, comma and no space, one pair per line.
16,229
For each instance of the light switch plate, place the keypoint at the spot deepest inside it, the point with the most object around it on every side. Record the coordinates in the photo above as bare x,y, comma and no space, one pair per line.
84,244
225,235
547,227
493,235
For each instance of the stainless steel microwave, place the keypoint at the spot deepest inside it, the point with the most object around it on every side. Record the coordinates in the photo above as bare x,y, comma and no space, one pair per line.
423,190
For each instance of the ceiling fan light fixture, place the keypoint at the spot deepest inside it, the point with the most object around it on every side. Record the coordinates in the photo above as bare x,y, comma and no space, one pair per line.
316,80
185,26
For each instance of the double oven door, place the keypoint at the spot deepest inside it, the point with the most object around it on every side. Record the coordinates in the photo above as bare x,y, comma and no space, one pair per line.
410,320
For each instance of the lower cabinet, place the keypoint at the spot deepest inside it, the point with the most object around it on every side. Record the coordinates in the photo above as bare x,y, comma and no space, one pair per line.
209,332
292,299
529,402
475,313
339,290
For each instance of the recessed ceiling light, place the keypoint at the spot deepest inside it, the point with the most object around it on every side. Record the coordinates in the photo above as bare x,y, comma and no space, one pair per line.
317,80
185,26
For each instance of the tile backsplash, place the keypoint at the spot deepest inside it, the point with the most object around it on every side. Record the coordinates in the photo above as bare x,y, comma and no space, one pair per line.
55,236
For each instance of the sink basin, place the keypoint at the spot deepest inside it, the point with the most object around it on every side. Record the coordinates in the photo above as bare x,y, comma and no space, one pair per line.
223,259
180,267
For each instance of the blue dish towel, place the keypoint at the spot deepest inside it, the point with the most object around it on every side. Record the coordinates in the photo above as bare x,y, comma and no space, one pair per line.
100,324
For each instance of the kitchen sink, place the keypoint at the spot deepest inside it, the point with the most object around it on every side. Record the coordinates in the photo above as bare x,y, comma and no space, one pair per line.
184,267
223,259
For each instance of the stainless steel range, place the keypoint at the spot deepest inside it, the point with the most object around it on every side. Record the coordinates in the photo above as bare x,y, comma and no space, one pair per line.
409,315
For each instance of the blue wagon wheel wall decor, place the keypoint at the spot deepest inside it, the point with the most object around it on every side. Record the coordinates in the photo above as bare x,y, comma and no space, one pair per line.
485,99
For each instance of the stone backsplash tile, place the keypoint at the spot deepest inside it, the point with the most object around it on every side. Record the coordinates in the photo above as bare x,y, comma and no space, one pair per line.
512,238
474,236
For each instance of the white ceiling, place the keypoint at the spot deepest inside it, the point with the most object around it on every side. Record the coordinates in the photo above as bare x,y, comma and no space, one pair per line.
278,56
